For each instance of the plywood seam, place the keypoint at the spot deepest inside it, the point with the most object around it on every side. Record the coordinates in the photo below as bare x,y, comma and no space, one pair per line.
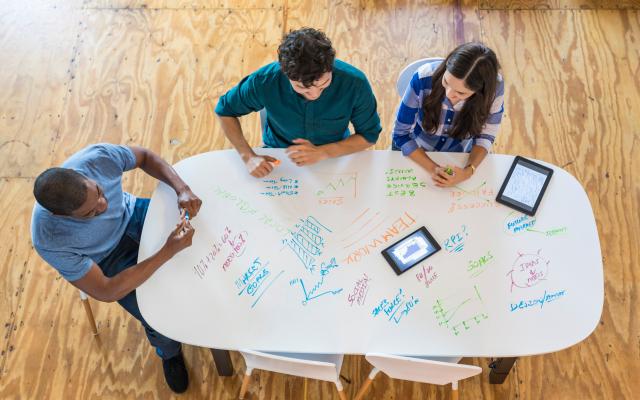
179,8
632,8
12,318
71,74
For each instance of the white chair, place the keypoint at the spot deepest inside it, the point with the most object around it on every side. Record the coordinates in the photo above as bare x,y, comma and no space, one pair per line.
263,119
434,370
324,367
87,308
405,76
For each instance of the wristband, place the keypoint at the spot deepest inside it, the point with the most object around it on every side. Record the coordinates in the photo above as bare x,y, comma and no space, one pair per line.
473,168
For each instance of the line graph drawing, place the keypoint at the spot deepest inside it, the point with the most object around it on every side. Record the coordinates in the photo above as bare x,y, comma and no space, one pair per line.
337,188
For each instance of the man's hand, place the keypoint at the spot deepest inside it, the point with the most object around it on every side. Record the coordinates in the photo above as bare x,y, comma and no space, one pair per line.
180,238
187,200
260,166
450,175
303,152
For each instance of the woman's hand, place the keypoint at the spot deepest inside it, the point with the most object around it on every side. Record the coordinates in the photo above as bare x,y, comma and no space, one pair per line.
450,175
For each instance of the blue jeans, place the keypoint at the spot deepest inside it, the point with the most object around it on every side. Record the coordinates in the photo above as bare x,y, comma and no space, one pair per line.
125,255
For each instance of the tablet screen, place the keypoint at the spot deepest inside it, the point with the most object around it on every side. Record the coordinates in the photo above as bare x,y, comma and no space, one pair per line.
411,250
524,185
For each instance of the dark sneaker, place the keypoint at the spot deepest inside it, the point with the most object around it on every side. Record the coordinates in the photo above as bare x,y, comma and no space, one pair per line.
175,373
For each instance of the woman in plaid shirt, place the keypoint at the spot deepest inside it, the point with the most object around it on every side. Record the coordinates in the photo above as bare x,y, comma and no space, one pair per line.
454,105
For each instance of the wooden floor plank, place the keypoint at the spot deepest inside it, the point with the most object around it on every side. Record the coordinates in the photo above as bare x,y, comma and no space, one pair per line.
15,257
570,100
184,4
558,4
37,43
152,78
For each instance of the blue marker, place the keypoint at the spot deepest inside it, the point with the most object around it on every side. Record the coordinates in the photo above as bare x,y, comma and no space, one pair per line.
186,215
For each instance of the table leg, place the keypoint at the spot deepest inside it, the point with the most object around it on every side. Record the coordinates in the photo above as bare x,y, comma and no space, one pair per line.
500,369
223,362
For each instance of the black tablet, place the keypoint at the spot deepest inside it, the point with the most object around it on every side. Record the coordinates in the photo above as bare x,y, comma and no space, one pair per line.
410,250
524,185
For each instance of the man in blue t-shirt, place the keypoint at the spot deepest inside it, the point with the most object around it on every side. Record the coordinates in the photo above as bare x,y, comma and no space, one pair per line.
88,228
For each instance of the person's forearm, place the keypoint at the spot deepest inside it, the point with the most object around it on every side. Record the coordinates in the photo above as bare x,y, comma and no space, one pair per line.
158,168
131,278
233,131
352,144
420,157
478,153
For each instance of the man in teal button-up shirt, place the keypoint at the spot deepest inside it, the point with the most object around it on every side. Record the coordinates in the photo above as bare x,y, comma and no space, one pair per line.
310,98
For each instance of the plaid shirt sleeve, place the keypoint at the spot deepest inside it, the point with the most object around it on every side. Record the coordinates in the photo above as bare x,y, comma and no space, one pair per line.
491,127
407,115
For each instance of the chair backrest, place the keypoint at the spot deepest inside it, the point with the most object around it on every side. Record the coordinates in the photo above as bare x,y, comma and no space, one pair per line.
405,76
421,370
263,119
317,368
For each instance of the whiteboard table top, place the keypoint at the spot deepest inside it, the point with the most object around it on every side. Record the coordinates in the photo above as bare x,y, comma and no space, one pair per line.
292,262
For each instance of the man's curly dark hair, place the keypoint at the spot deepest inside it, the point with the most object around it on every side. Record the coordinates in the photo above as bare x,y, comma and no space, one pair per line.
305,55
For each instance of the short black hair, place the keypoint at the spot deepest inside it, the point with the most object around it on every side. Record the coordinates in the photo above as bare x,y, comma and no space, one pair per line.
305,55
60,190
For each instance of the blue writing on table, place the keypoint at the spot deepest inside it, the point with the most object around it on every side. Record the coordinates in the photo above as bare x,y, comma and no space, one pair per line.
396,308
456,241
545,298
307,241
314,292
254,278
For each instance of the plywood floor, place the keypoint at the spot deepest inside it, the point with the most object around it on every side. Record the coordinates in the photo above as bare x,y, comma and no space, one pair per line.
75,72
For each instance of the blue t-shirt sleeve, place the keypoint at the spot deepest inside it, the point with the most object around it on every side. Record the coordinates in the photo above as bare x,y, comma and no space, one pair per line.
71,266
122,156
242,99
106,159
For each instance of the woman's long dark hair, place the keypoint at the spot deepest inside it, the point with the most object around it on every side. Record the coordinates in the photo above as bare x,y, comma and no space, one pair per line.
477,66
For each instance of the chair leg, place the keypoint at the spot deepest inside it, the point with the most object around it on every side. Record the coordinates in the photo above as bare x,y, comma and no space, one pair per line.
340,390
454,390
245,384
92,321
367,383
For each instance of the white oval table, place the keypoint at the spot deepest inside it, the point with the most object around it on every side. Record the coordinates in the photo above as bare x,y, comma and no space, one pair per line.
292,262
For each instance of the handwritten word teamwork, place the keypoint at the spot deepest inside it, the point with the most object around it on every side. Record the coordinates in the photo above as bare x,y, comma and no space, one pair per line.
400,224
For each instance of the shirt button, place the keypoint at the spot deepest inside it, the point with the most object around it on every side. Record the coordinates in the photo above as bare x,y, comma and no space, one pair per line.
442,139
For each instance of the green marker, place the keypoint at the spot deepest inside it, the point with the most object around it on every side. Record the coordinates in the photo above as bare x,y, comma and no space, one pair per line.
448,170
